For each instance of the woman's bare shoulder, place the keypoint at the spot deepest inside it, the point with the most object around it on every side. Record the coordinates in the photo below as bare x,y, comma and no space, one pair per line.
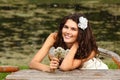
53,35
50,40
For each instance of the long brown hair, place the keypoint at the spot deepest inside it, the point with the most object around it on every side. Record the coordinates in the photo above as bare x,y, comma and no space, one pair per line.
86,40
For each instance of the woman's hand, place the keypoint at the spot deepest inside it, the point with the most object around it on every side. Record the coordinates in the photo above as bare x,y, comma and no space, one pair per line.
54,64
69,63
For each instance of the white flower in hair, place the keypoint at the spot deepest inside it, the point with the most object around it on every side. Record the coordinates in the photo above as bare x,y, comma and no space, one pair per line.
83,23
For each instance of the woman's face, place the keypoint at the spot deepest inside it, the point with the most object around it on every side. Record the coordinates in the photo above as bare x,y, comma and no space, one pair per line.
70,32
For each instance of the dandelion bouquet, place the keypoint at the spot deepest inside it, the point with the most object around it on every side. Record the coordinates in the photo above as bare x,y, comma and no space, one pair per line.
59,52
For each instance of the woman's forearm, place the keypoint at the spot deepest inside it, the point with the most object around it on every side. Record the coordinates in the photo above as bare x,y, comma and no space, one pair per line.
39,66
40,55
68,61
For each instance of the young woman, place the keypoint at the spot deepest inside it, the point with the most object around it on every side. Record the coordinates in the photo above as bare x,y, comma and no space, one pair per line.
74,33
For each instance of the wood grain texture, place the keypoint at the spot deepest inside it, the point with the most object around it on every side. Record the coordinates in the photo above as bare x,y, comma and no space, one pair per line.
69,75
115,57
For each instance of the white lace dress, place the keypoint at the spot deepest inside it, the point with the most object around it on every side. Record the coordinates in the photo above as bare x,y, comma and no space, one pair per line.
94,63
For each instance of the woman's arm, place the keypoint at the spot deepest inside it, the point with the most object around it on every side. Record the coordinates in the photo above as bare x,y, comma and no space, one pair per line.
36,61
69,63
93,54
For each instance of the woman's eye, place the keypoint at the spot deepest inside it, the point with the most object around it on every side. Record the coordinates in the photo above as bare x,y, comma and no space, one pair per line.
74,29
65,26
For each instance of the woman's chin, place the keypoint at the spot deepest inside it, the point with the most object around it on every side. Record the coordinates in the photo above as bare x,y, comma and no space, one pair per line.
68,42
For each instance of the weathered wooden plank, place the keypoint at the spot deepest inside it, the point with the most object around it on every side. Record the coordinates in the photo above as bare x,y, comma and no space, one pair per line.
113,55
9,68
70,75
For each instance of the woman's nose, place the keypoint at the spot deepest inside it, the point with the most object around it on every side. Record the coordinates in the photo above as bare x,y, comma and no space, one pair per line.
68,30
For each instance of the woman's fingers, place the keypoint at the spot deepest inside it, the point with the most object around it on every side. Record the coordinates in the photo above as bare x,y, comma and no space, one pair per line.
55,59
54,63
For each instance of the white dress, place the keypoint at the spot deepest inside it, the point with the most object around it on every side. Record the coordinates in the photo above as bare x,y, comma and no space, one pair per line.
94,63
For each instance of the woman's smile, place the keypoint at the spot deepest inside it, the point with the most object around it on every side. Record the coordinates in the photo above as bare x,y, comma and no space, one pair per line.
67,36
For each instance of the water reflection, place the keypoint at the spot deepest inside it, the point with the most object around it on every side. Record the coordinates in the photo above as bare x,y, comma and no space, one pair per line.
22,25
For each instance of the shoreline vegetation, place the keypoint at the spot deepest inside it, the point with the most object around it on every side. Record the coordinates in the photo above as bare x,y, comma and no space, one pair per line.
24,25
